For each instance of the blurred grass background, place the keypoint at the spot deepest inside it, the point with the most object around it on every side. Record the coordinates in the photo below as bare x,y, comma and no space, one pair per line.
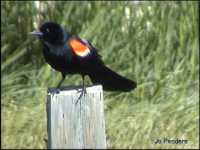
155,44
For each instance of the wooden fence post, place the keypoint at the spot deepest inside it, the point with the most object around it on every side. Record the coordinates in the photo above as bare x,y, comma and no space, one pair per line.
76,126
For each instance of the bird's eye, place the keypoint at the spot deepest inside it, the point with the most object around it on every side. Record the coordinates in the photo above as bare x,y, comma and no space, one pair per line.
46,31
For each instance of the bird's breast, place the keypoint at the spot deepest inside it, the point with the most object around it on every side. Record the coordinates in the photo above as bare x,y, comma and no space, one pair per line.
63,60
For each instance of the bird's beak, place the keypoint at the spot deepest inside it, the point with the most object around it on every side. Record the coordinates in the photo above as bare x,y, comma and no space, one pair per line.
35,33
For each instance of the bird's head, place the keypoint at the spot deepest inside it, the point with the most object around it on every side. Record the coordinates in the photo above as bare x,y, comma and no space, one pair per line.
51,33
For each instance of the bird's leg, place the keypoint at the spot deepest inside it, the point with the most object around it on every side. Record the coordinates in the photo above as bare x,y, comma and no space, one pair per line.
84,87
58,87
83,90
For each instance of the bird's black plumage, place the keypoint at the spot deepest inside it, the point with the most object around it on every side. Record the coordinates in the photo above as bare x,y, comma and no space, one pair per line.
70,54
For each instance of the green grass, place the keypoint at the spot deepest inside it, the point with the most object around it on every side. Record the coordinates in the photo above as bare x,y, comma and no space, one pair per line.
157,46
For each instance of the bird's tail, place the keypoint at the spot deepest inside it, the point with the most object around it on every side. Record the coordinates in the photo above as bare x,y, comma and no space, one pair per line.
110,80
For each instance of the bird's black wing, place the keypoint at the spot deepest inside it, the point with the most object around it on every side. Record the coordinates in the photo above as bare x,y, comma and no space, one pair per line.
99,74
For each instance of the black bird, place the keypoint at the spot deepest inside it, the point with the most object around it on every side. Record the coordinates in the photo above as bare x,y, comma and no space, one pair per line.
70,54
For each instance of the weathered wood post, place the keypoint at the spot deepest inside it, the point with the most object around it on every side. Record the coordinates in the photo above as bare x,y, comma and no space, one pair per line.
76,126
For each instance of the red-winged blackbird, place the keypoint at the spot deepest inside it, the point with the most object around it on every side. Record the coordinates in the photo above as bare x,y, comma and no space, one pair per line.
70,54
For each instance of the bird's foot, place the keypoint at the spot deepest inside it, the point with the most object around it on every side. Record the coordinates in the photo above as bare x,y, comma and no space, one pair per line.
57,91
83,92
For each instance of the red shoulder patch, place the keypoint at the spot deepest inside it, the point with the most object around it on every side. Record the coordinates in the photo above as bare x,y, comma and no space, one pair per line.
79,48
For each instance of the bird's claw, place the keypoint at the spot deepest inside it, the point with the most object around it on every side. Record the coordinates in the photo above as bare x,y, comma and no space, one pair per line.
83,92
57,91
